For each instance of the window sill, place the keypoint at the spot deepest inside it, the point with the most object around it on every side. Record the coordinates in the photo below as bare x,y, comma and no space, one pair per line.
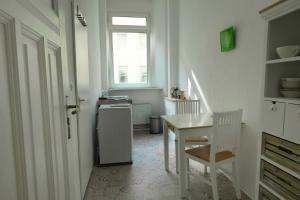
134,88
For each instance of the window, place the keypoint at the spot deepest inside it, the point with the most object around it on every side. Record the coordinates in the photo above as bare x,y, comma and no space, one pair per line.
129,51
129,21
123,74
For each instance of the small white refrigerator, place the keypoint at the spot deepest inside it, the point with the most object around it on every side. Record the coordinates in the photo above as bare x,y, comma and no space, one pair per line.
115,134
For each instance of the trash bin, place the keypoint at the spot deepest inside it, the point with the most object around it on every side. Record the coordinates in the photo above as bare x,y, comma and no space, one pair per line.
155,125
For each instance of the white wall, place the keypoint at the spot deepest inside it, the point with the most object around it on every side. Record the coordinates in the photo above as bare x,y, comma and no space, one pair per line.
129,5
172,30
159,41
104,42
158,55
228,80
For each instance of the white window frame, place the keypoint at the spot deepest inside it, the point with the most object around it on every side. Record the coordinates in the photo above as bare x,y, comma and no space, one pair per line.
128,29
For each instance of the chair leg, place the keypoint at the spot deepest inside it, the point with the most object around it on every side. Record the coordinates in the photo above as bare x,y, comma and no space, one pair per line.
188,173
235,178
176,155
213,176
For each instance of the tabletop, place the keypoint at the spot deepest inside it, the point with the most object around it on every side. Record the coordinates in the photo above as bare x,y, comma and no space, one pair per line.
189,121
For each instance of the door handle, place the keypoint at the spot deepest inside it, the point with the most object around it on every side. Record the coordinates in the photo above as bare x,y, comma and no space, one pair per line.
68,107
71,106
82,99
75,107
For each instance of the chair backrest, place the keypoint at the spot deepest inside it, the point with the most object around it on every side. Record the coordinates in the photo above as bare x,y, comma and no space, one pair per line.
188,107
226,132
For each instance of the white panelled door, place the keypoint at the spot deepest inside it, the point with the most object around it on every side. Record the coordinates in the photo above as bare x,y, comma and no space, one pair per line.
42,108
8,175
33,130
36,130
84,116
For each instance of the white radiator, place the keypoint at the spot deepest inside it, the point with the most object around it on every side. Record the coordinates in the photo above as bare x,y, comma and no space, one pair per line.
141,113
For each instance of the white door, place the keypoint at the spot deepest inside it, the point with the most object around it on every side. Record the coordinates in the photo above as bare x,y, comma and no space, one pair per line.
85,119
273,117
292,123
33,144
42,108
8,180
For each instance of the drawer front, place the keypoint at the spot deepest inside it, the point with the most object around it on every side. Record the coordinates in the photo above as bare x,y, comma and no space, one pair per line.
281,151
266,195
292,123
273,117
280,181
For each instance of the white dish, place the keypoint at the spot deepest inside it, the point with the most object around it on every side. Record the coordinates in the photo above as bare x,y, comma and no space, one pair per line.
290,83
288,51
290,93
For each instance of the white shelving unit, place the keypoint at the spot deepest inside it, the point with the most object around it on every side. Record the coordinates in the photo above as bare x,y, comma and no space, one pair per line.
283,100
283,29
271,190
283,168
283,60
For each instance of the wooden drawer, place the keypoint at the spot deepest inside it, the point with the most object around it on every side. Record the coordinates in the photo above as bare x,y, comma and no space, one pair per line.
285,184
281,151
292,123
266,195
273,117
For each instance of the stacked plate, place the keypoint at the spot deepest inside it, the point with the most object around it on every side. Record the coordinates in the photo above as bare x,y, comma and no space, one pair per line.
290,87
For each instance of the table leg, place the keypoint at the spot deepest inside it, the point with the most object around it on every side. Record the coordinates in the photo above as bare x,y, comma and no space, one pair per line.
166,146
182,165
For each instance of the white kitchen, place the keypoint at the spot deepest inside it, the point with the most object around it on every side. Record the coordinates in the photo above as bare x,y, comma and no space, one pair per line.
149,99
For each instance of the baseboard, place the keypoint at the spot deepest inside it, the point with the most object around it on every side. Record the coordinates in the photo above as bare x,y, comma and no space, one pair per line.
141,127
115,164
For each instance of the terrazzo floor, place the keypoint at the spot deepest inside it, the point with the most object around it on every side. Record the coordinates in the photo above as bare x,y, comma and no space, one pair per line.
146,178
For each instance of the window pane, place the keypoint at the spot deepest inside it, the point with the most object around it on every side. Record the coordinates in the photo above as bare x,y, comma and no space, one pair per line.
130,58
129,21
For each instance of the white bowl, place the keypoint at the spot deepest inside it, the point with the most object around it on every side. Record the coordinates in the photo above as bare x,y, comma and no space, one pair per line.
290,83
290,93
288,51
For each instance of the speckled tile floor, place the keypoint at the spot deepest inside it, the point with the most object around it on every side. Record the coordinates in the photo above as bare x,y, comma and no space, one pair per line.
146,178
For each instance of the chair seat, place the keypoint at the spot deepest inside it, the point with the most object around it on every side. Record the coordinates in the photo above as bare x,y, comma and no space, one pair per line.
204,152
195,139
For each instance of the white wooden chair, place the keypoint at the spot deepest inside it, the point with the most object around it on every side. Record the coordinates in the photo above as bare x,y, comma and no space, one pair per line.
223,148
189,107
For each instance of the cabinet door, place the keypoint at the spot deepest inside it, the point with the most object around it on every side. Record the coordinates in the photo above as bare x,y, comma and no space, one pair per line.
292,123
273,117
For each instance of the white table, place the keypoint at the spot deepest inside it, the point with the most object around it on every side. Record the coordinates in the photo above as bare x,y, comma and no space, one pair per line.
184,125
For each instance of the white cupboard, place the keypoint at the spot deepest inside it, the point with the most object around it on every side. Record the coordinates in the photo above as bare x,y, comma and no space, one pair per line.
292,123
264,5
281,118
273,117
